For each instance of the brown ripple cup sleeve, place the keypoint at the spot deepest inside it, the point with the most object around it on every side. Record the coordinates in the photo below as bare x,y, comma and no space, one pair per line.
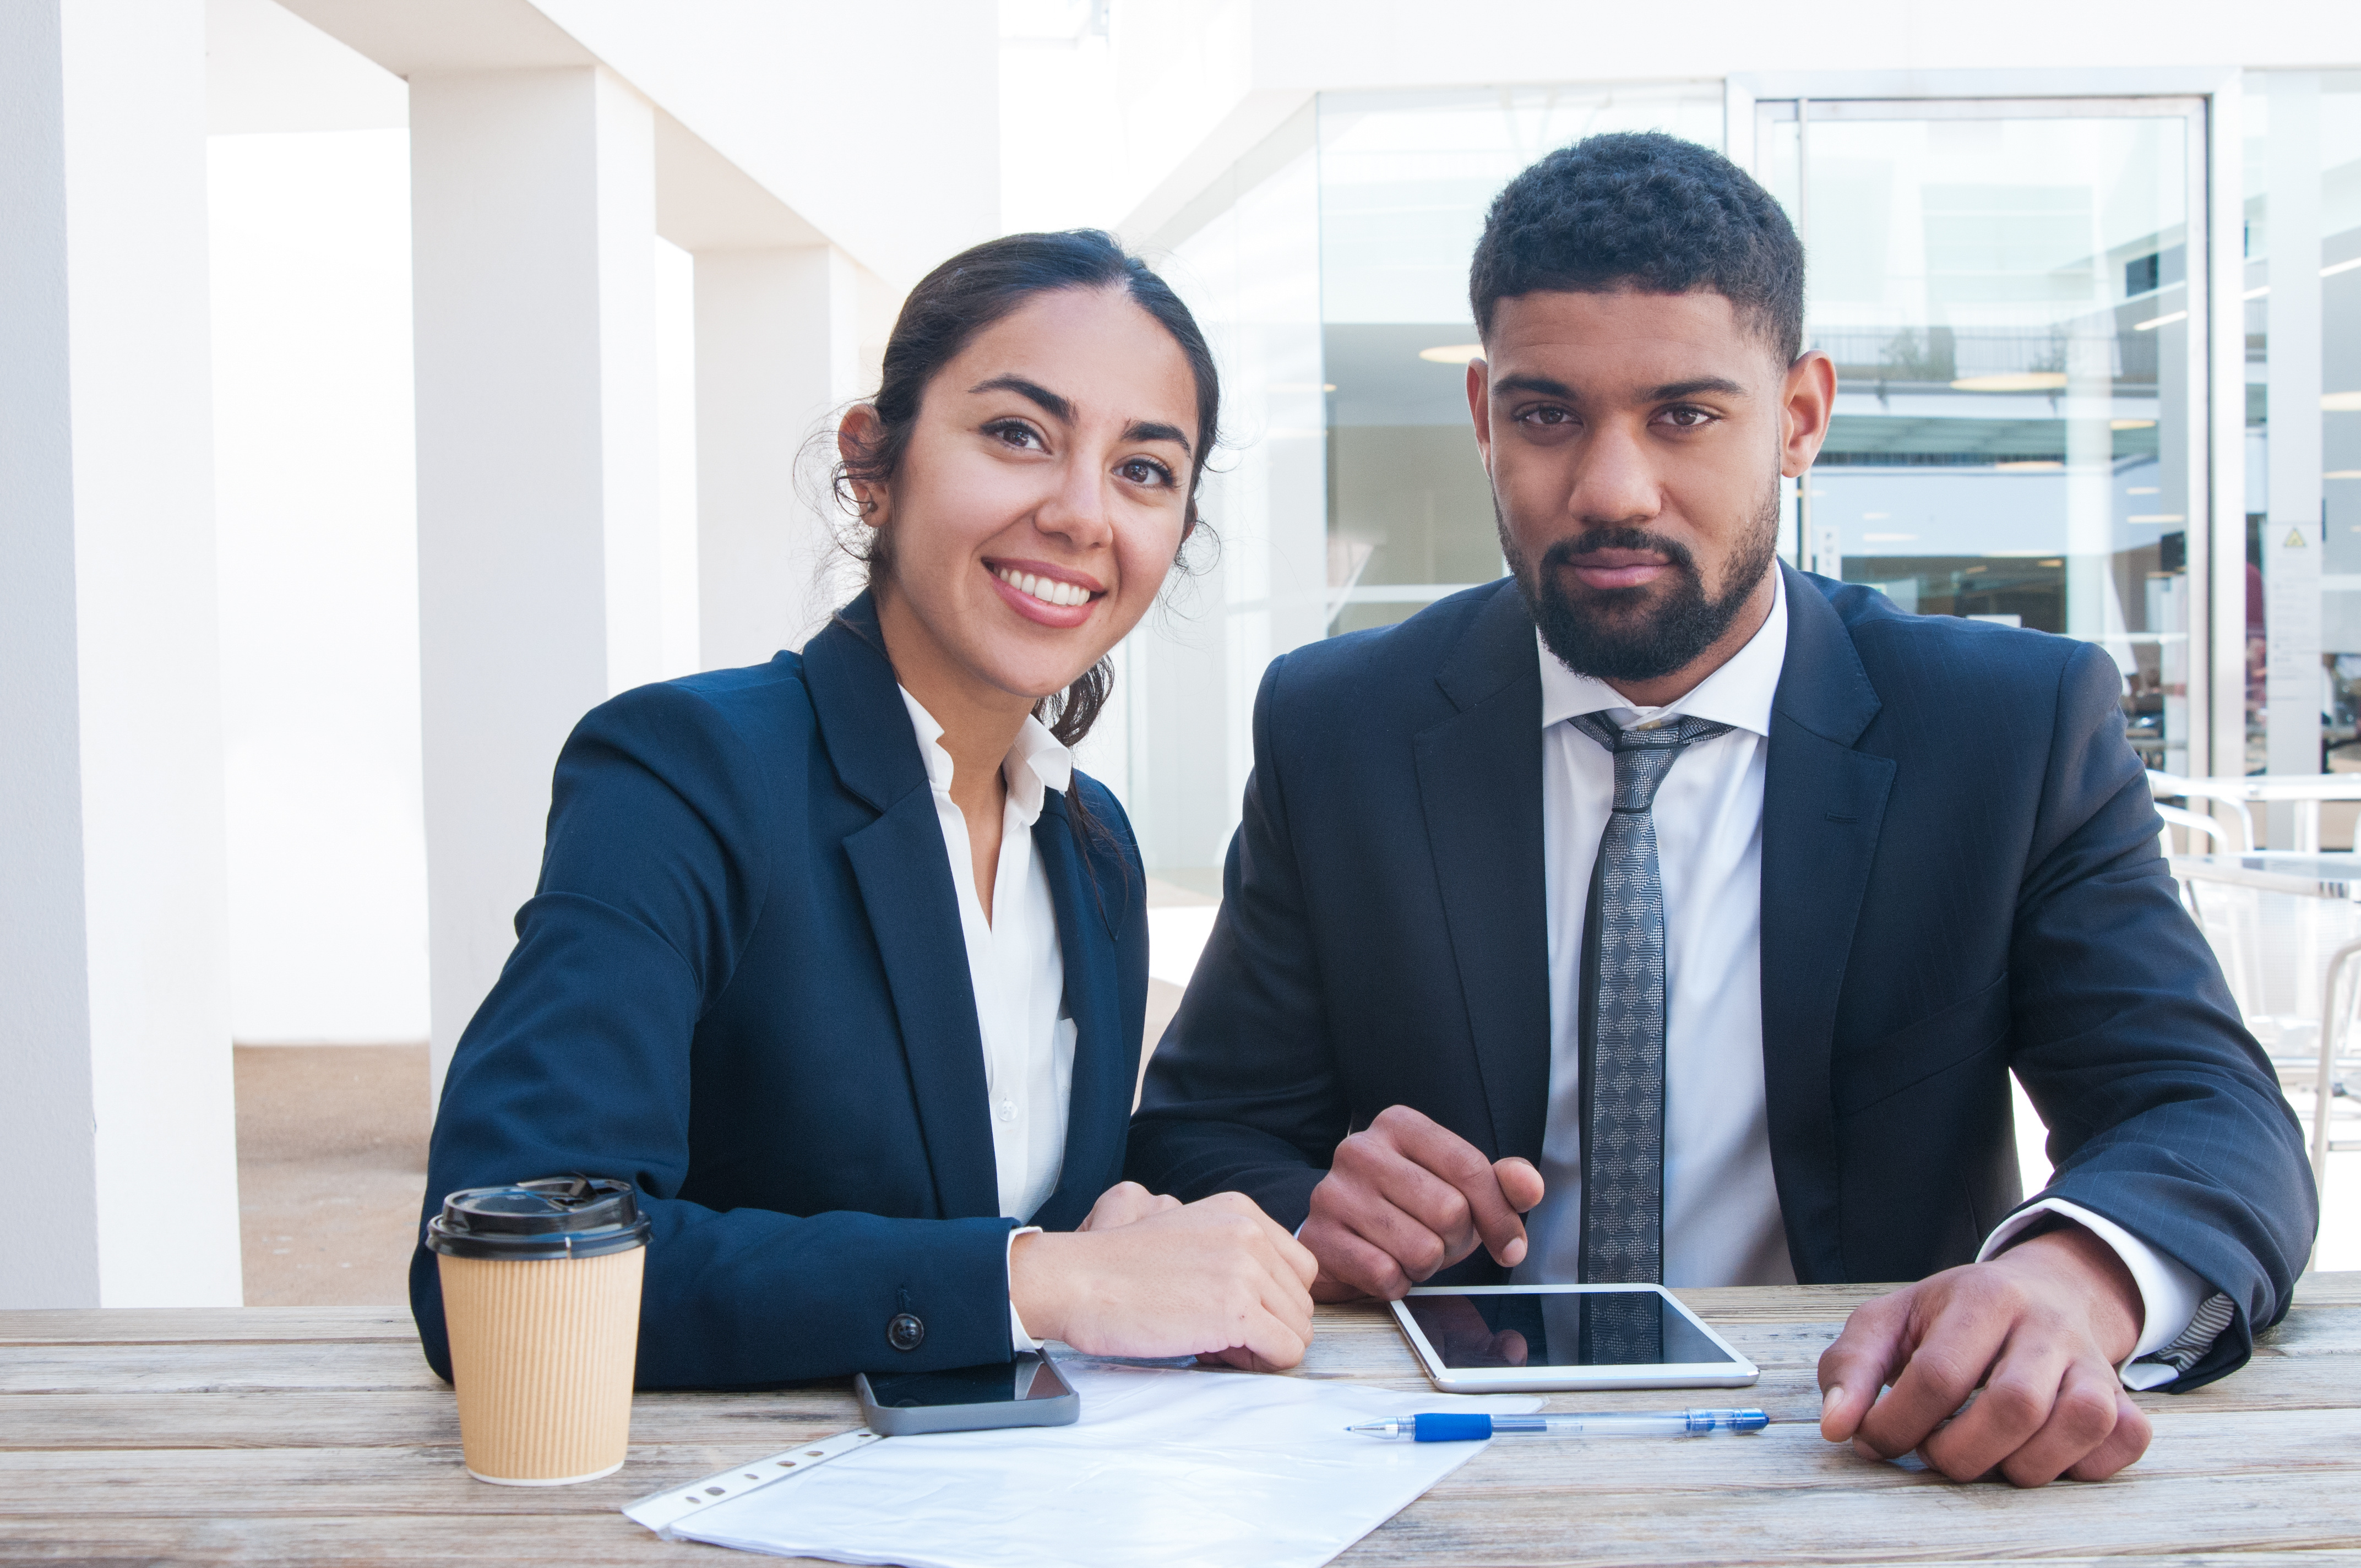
541,1300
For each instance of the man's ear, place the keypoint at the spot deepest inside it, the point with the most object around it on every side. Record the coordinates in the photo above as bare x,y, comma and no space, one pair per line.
1806,399
1479,406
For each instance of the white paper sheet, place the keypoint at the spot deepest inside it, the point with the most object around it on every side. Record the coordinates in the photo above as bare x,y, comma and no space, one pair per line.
1165,1469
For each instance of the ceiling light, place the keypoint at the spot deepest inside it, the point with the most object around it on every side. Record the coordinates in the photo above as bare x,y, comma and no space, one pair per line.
2131,424
2015,381
2154,321
2142,490
2329,271
2341,403
1453,353
2159,517
2032,465
2343,474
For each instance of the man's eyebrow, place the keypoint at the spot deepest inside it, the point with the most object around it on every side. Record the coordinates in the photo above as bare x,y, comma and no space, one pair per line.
1056,406
1542,384
1147,429
1690,388
1665,393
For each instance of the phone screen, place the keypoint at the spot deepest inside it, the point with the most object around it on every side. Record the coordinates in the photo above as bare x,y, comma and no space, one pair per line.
1026,1377
1634,1328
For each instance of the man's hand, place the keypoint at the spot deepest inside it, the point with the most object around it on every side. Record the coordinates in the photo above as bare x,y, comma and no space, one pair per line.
2039,1328
1213,1277
1407,1196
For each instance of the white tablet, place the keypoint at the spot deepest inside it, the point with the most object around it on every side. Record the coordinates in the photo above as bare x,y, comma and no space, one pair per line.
1485,1339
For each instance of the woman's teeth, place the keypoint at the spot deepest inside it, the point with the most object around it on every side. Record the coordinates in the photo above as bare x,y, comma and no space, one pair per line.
1047,590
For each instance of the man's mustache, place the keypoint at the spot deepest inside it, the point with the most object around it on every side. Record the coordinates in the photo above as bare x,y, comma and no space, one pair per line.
1564,553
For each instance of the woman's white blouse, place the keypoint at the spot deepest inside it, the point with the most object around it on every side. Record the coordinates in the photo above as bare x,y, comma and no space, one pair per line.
1015,964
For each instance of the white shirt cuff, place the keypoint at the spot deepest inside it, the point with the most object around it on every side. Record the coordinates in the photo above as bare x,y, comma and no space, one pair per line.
2169,1293
1017,1338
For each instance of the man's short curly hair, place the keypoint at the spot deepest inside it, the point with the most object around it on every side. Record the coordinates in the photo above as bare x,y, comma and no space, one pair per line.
1643,210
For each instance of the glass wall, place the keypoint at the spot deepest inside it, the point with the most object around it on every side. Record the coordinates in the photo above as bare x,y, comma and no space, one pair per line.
2015,295
2007,290
2301,297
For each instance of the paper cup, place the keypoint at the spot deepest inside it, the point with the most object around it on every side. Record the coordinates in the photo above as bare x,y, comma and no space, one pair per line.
541,1301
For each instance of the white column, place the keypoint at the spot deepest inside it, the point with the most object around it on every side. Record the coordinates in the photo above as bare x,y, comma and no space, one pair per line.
115,1101
539,564
2093,607
2218,612
777,350
2291,531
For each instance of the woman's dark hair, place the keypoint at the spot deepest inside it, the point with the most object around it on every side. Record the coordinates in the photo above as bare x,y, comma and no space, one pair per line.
1644,210
960,299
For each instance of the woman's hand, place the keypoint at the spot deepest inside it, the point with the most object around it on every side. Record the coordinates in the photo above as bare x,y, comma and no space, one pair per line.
1210,1277
1123,1203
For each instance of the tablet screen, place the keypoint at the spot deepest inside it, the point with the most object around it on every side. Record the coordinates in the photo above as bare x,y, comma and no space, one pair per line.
1635,1328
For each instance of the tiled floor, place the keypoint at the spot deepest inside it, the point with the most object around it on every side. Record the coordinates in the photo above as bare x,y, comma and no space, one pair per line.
331,1171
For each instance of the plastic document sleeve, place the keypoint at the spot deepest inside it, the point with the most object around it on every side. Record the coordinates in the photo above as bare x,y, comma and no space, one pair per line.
1164,1468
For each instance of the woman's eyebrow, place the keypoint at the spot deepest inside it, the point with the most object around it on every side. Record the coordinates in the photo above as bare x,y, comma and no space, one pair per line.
1058,407
1062,410
1148,430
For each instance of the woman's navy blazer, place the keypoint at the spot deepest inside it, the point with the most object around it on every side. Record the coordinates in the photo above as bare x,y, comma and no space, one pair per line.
741,986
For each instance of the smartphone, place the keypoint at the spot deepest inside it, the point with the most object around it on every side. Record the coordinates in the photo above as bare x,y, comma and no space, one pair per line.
1488,1339
1026,1392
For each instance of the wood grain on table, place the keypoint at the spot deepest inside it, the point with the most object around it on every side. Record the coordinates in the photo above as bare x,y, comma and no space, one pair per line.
309,1435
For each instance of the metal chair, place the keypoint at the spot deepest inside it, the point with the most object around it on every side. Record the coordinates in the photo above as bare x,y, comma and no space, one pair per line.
2169,786
2266,963
2190,824
2333,1107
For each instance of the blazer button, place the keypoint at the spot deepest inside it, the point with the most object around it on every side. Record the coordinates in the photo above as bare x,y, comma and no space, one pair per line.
904,1331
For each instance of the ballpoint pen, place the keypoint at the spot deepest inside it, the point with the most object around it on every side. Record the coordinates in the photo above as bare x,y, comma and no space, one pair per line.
1454,1427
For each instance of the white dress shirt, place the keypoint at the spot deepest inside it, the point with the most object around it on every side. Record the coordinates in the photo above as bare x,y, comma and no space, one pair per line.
1016,969
1722,1224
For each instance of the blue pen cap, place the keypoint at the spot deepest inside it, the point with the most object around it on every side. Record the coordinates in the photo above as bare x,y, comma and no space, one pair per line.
1728,1420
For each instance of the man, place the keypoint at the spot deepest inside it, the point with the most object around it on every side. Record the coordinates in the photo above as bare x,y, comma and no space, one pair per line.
1705,930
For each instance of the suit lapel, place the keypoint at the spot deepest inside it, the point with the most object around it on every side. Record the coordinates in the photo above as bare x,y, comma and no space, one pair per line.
1823,804
1105,1066
903,870
1479,778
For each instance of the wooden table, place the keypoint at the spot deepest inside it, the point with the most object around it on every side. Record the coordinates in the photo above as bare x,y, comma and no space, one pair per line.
284,1435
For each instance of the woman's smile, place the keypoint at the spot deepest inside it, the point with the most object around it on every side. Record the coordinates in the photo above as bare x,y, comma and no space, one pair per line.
1051,595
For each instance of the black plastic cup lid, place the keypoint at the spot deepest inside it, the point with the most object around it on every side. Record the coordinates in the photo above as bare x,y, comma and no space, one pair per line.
563,1216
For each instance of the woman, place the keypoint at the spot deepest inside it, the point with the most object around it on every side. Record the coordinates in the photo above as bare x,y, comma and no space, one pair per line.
834,958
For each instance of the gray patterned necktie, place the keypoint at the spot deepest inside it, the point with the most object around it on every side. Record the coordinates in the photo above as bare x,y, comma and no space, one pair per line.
1622,1032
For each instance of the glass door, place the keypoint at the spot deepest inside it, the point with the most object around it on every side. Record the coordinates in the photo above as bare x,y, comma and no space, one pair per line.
2014,295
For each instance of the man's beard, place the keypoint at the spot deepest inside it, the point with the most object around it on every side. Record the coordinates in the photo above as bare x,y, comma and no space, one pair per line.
1606,633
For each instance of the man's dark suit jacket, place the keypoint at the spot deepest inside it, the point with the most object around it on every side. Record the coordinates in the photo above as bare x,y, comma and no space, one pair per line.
742,987
1960,878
